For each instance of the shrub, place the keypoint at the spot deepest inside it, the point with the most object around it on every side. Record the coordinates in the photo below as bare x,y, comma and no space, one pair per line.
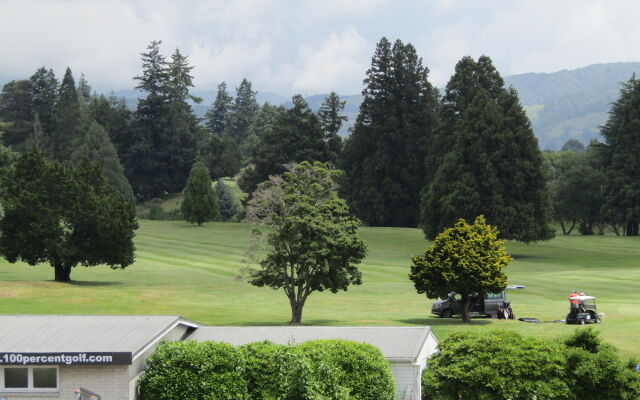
355,370
261,369
194,371
494,366
594,368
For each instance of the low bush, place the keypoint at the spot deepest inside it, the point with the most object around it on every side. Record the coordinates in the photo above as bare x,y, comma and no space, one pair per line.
194,371
504,365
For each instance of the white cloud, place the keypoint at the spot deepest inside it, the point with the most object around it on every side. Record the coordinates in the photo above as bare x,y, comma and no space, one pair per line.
308,46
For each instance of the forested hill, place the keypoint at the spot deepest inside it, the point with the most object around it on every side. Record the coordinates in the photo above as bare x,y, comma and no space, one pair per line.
570,103
562,105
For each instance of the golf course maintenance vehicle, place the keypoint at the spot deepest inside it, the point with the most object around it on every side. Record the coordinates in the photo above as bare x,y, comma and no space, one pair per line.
583,310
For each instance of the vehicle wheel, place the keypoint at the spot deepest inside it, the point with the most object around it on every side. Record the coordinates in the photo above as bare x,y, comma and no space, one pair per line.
582,321
445,314
598,320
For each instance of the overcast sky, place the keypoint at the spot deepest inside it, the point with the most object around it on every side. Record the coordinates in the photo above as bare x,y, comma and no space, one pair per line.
305,46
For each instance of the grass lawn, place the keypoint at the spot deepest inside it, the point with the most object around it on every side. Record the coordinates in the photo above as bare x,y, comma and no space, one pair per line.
182,269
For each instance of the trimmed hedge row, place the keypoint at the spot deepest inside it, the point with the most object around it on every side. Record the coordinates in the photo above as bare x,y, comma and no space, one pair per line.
505,365
314,370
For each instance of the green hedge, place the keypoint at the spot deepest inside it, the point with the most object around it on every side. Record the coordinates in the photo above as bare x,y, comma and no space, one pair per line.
194,371
505,365
315,370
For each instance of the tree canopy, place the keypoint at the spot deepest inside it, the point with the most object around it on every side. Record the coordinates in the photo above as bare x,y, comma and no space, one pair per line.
64,216
384,157
200,201
487,160
466,259
310,238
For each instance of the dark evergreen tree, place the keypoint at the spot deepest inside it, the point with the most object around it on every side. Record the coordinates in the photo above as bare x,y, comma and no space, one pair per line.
45,98
229,206
262,123
215,116
242,114
84,90
96,146
621,135
200,201
16,108
331,120
221,156
116,118
573,145
163,136
296,135
492,165
68,120
384,157
64,217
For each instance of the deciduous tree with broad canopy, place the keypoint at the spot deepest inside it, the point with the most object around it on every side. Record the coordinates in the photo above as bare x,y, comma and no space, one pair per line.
310,237
64,216
466,259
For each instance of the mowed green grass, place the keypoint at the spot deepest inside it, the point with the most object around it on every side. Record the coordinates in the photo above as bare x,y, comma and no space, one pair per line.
194,272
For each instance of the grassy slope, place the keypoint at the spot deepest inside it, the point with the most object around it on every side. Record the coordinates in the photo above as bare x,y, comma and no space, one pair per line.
192,271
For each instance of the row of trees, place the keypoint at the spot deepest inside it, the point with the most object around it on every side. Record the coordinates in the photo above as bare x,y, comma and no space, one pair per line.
416,158
596,188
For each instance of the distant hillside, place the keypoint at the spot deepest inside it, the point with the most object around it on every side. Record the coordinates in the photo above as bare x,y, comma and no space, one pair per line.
570,104
563,105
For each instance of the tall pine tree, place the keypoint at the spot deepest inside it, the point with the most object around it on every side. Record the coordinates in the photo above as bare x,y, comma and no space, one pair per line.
45,98
384,157
488,161
242,114
68,120
215,116
621,135
331,120
163,136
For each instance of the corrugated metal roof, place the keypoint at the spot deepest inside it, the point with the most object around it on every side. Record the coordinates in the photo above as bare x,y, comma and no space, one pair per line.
395,342
81,333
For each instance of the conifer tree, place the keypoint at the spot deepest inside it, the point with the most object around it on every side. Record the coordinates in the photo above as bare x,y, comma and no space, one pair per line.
68,120
84,90
621,134
296,135
16,108
221,156
162,144
96,146
200,201
64,216
491,163
229,207
45,98
331,120
384,157
215,116
242,114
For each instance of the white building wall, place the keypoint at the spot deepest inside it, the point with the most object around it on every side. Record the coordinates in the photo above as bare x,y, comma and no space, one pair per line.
404,374
110,382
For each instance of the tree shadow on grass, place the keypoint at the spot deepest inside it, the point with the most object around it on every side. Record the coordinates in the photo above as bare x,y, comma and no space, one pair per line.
286,323
524,256
92,283
444,321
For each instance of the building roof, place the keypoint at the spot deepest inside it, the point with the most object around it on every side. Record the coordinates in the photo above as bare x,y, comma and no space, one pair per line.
398,343
83,333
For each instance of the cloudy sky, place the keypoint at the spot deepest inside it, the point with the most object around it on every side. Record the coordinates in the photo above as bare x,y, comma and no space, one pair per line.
308,46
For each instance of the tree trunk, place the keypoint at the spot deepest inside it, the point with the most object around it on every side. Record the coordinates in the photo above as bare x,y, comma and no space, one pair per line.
62,273
465,300
632,228
296,312
564,230
573,225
